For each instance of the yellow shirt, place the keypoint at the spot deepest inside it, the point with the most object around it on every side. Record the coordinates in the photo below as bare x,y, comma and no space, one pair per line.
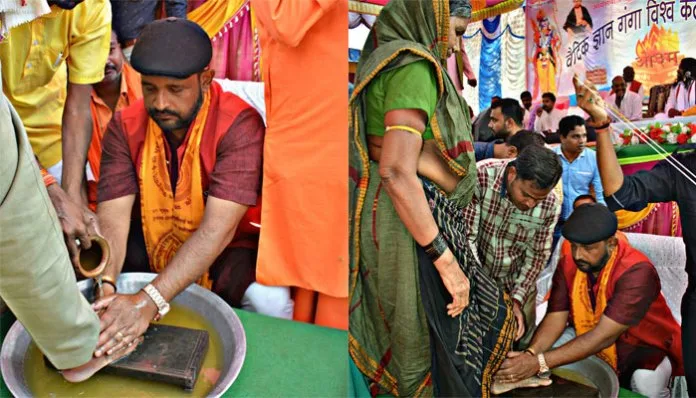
37,59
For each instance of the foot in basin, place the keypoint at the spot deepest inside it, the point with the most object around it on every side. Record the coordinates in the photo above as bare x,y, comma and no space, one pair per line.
534,381
84,372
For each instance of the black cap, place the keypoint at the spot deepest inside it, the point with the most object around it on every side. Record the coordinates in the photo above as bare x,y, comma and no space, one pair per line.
172,47
590,223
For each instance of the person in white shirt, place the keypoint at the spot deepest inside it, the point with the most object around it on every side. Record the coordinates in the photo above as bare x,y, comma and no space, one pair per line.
629,76
628,102
526,99
548,117
683,93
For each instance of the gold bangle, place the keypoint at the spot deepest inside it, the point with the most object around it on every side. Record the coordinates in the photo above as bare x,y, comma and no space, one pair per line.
404,128
110,281
530,351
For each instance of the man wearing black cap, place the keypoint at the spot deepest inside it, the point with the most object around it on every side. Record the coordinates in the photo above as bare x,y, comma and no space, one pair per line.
670,180
190,154
609,293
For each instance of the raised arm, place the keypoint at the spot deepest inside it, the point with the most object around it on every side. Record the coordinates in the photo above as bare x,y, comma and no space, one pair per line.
633,192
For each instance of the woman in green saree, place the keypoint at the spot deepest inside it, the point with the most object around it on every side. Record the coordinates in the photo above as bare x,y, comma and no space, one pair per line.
424,318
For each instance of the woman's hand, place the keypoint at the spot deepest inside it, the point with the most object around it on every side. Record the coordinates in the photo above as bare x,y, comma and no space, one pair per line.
456,283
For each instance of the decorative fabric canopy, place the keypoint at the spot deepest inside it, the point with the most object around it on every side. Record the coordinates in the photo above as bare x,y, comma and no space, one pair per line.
232,29
481,8
500,67
494,41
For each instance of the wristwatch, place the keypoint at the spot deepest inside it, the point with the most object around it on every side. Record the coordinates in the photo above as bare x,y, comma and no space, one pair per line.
544,371
160,302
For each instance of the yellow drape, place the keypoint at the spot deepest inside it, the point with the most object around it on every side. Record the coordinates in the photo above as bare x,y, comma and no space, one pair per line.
585,317
169,220
629,218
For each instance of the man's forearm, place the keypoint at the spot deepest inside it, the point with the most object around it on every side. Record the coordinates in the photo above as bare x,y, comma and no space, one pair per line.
579,348
192,260
549,330
76,137
118,243
114,223
607,163
525,281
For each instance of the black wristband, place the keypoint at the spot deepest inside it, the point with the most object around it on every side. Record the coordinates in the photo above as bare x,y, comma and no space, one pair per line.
436,248
600,125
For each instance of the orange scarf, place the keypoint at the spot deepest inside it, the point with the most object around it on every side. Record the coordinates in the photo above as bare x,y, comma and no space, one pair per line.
169,220
584,317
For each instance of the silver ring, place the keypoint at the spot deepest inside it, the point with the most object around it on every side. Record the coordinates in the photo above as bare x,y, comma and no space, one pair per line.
118,337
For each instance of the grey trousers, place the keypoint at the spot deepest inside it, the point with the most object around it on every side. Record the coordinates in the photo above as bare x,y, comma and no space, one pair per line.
37,281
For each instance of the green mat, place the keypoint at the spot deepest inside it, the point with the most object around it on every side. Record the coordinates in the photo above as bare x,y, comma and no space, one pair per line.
283,359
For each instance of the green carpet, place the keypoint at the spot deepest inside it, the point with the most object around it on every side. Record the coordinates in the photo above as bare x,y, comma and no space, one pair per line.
291,359
284,358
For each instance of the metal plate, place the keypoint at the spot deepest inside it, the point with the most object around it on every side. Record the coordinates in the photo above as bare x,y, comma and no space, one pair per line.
218,313
599,373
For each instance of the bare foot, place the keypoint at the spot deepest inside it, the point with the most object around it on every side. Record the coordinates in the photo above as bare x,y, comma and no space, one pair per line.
534,381
84,372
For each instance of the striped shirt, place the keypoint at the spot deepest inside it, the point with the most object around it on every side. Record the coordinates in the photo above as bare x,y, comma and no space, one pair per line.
513,245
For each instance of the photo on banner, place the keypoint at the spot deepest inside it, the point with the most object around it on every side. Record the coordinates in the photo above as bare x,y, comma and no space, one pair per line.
596,39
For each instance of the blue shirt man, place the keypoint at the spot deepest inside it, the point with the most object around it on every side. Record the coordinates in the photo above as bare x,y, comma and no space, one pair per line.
579,164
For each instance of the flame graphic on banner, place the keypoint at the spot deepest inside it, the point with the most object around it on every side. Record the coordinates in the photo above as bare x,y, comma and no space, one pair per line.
657,57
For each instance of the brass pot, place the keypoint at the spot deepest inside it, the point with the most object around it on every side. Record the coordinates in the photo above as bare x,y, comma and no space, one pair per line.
93,261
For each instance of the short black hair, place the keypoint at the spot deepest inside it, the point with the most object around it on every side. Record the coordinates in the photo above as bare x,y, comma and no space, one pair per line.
540,165
584,197
689,65
510,108
526,94
568,124
549,96
525,138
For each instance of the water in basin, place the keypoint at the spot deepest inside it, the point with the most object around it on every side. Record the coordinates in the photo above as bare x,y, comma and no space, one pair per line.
45,382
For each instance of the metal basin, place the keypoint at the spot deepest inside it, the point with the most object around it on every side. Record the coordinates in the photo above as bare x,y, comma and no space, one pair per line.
211,307
599,373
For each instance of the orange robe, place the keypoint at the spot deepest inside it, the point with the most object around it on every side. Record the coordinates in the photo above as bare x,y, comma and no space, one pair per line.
131,91
304,234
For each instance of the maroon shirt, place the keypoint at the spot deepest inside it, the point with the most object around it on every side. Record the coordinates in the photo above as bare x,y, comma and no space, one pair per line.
236,175
634,292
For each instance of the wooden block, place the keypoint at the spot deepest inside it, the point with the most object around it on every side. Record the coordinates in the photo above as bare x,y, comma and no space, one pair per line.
169,354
